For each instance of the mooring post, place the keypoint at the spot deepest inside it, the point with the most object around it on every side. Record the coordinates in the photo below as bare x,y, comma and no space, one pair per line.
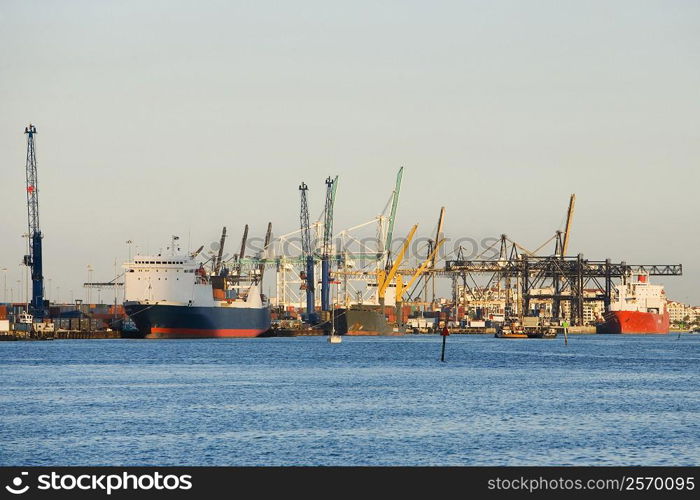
445,333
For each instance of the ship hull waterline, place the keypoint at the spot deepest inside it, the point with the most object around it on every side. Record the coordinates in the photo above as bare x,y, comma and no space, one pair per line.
635,322
156,321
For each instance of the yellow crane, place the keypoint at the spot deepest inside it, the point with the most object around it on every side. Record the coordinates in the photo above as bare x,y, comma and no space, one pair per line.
384,278
430,261
567,229
393,275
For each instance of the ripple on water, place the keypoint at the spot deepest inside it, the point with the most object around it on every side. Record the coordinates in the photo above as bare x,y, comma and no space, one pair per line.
600,400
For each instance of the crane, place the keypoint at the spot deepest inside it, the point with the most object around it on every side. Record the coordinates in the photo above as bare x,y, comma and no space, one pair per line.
241,254
308,252
434,244
34,258
217,261
261,266
401,288
392,216
567,229
385,278
331,185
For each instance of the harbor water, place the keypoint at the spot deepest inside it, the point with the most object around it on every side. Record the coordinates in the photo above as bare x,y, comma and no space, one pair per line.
600,400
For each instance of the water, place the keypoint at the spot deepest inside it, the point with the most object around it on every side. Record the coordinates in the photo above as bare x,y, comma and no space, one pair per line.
601,400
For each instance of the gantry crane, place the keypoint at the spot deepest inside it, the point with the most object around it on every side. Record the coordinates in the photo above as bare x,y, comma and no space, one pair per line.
308,252
331,185
34,258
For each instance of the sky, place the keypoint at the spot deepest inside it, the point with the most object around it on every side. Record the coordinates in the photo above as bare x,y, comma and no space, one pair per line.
157,118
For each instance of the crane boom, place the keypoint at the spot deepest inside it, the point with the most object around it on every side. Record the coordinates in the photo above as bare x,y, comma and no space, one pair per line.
441,221
569,219
331,185
308,254
217,262
424,265
268,236
392,215
386,279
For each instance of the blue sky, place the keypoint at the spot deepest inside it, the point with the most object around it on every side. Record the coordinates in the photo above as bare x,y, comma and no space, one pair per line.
166,117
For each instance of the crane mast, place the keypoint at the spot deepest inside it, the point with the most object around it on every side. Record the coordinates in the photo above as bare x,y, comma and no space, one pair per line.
331,185
308,252
34,259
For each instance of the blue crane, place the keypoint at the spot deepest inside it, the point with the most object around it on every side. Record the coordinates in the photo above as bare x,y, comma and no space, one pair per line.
34,259
308,252
331,185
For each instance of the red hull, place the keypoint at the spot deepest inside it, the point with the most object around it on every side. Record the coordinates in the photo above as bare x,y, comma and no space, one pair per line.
636,322
189,333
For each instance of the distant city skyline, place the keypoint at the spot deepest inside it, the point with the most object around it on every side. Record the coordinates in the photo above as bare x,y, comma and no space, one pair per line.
161,118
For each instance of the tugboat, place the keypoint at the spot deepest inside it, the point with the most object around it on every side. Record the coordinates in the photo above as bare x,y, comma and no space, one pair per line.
511,330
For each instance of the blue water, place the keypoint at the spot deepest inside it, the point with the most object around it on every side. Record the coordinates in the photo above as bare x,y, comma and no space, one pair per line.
601,400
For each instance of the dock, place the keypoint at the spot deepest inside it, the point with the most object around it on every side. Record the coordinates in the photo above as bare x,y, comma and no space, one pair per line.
58,335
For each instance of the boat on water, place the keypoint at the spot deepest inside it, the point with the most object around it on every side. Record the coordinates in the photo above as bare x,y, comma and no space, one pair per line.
543,333
639,308
511,330
510,335
364,320
174,296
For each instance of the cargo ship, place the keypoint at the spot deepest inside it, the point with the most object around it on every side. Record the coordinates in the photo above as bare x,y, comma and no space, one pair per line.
175,297
639,307
364,320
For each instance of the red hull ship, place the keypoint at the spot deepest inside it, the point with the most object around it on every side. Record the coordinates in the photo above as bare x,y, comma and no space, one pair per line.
640,308
636,322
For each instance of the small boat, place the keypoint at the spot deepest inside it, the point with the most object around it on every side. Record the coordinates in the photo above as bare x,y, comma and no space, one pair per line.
543,334
510,335
511,331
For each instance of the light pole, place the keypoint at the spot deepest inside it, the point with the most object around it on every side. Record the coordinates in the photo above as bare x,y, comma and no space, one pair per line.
89,270
58,295
4,284
129,242
80,319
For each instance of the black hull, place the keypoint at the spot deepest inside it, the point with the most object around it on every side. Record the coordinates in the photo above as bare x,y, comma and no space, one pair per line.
169,321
